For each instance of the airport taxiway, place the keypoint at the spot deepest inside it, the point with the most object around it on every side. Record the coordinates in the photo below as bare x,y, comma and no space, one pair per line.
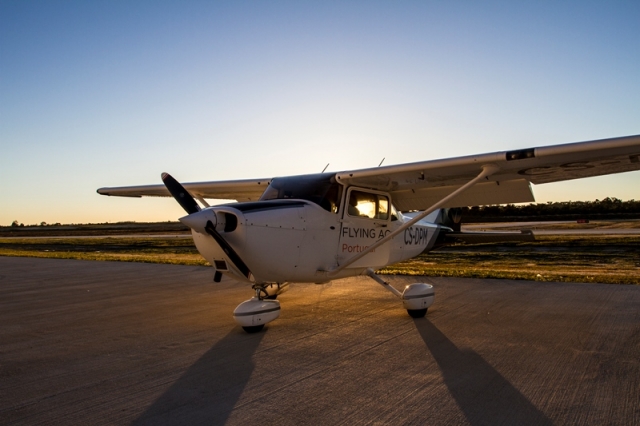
117,343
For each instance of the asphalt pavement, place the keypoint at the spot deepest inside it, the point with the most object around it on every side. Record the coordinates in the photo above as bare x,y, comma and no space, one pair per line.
127,343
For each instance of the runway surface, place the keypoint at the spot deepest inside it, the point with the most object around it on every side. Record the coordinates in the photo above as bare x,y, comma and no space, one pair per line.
118,343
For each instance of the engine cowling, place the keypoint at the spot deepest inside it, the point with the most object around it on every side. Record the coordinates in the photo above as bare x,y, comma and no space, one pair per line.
221,220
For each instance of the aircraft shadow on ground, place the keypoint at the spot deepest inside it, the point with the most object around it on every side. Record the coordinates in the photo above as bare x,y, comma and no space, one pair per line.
484,395
207,392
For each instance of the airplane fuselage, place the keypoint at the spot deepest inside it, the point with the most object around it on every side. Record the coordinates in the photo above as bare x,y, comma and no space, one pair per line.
318,227
298,240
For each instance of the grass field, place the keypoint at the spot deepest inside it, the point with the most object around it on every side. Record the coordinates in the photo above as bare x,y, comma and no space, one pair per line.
614,260
176,250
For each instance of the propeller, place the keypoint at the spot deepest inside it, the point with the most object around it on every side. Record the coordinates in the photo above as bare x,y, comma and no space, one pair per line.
180,194
189,204
229,251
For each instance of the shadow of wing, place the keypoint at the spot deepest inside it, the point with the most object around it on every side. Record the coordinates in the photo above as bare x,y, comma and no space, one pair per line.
484,395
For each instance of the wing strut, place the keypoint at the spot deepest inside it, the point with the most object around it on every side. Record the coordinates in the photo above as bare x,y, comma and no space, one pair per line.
487,170
201,199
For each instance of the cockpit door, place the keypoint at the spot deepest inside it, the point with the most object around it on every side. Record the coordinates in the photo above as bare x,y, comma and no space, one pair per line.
366,219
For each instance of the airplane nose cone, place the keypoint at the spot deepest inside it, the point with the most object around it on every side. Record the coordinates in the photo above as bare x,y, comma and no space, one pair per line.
197,221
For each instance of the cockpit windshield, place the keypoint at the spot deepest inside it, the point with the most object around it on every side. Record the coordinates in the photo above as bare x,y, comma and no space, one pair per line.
321,189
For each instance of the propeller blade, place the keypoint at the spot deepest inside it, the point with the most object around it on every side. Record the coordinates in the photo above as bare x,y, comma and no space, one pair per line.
230,252
189,204
180,194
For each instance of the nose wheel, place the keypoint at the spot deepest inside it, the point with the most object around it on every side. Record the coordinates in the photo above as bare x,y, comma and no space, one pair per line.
417,313
253,328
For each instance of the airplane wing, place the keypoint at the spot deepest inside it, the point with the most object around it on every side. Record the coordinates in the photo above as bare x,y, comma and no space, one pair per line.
240,190
417,186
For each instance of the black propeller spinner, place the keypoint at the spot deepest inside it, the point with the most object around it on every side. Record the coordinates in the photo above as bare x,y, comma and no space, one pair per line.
187,202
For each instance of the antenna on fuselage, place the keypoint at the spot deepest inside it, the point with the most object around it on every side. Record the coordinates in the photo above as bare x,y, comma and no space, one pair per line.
381,161
325,168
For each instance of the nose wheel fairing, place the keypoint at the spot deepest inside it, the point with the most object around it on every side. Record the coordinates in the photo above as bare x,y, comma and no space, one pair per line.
254,313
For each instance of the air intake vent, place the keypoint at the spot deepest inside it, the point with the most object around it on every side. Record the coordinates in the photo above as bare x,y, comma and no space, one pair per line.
220,265
230,222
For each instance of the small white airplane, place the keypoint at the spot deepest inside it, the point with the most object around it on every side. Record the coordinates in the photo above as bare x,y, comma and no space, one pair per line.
318,227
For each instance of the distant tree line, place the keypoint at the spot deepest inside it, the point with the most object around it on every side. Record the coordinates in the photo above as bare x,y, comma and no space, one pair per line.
609,208
18,224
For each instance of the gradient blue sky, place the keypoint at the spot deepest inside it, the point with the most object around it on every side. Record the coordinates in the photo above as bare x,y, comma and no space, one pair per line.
109,93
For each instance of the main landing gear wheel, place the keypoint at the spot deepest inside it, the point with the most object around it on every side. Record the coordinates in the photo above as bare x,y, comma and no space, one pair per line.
416,297
253,328
417,313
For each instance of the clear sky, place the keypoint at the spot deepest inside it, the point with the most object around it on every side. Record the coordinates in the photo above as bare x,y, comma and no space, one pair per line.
111,93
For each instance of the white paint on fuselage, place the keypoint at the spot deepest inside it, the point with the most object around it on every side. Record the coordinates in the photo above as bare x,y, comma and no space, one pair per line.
302,243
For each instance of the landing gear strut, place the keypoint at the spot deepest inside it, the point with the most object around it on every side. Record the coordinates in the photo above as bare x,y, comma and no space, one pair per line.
416,298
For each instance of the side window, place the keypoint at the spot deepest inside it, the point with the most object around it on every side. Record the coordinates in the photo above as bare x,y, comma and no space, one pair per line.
365,204
383,208
394,213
